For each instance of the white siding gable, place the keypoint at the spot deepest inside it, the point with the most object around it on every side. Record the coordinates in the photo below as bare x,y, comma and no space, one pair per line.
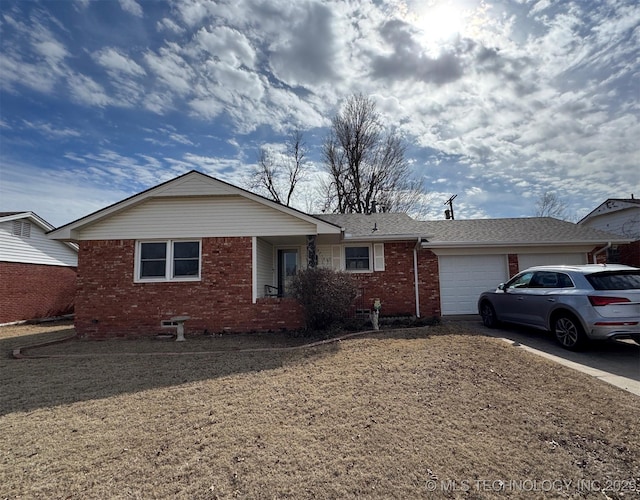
195,186
191,217
34,249
621,222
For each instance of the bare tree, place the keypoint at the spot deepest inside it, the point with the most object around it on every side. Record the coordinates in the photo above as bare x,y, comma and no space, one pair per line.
550,205
279,174
368,171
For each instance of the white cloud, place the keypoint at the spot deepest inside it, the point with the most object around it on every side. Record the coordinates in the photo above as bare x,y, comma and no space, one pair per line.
226,45
113,60
54,132
172,69
169,25
86,91
81,193
132,7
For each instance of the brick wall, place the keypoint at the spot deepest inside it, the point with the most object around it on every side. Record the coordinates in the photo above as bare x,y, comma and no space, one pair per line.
109,303
29,291
630,254
395,285
513,264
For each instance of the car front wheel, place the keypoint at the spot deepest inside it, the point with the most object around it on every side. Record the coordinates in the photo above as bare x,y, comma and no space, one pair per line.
488,314
569,332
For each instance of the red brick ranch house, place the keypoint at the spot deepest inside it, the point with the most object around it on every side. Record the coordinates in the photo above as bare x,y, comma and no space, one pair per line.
196,246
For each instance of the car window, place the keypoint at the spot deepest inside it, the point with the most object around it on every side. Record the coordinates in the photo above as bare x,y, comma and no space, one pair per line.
564,281
544,279
615,280
520,281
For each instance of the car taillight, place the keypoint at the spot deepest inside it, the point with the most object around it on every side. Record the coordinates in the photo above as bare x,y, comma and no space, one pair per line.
598,300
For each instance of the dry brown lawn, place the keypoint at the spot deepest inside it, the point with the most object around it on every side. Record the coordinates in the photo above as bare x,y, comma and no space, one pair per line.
439,412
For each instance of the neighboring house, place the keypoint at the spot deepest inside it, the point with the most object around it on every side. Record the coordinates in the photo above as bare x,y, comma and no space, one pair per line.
199,247
620,217
37,275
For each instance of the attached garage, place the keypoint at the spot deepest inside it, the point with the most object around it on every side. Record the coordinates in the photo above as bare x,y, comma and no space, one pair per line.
464,277
550,259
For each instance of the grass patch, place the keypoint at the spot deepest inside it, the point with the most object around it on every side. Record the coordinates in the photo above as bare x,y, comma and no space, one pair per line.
372,417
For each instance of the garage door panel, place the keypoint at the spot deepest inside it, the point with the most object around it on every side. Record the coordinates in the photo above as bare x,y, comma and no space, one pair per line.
464,277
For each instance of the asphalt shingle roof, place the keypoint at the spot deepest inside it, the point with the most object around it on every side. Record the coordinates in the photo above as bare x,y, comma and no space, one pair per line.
534,230
385,224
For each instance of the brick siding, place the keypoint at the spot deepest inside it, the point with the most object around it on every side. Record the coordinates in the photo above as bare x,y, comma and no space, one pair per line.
395,285
514,264
630,254
30,291
110,304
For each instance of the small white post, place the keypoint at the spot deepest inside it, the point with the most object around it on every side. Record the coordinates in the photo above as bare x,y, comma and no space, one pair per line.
377,305
180,320
180,336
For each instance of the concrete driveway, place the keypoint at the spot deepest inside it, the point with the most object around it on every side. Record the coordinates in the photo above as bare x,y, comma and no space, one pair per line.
616,362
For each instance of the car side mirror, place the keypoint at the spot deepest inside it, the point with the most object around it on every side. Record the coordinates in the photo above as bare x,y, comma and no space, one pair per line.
502,287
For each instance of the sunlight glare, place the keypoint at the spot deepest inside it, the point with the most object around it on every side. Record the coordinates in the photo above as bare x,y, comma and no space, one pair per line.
439,23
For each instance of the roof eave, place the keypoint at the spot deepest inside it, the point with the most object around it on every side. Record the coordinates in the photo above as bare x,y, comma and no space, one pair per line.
32,216
385,237
507,244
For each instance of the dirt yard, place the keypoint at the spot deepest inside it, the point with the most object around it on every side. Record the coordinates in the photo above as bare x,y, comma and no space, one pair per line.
437,412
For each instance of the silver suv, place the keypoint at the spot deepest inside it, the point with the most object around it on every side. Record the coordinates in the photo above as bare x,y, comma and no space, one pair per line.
576,303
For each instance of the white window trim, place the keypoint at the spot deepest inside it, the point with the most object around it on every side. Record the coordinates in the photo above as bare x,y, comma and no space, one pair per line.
169,264
358,245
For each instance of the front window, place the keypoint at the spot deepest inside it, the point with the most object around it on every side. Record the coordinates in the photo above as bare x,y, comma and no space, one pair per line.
357,258
168,260
186,258
153,260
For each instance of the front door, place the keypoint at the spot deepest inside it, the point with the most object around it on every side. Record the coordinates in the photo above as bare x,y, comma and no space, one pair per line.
287,269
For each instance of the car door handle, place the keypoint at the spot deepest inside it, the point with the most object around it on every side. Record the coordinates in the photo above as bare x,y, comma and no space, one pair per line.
520,298
551,300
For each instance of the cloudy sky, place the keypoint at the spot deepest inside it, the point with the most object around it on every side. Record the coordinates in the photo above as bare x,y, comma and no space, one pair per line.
499,101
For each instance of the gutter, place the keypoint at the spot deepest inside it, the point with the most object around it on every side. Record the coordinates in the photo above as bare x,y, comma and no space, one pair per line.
603,249
415,275
510,244
381,237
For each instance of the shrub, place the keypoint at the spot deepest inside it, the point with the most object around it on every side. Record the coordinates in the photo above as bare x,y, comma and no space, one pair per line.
326,296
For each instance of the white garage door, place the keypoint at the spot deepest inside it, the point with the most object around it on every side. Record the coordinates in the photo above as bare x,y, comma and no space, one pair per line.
464,277
550,259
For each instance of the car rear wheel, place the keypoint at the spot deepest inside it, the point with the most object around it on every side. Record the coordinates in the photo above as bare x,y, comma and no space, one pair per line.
569,332
488,314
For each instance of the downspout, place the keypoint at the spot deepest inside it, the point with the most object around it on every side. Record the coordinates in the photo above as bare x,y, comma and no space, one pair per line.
603,249
254,269
415,276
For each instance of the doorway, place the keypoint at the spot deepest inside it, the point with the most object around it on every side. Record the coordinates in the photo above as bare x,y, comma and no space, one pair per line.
287,269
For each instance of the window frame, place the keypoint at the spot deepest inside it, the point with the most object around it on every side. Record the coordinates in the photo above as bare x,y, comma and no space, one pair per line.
370,258
169,264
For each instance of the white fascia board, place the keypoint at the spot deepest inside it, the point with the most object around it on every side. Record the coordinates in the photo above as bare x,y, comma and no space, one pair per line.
32,216
385,237
503,244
